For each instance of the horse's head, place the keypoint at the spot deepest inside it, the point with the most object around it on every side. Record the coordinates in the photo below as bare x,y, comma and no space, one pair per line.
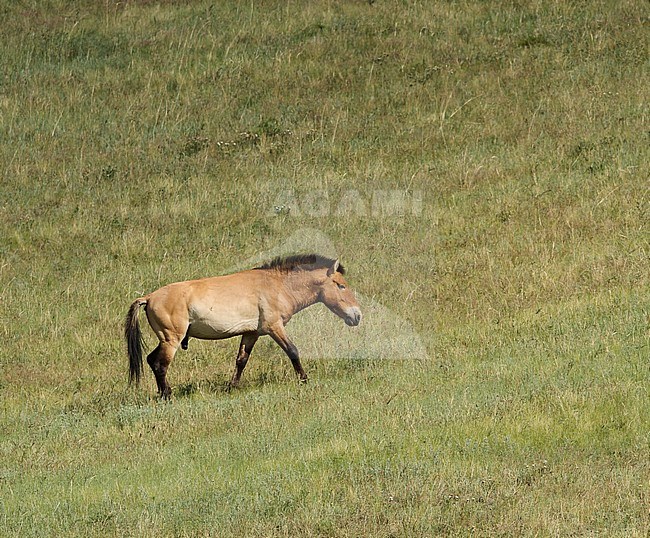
338,297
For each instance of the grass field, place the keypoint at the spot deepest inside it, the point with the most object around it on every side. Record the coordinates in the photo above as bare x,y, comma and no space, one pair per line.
145,142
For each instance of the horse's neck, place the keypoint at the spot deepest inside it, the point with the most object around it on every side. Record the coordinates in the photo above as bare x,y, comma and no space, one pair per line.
302,288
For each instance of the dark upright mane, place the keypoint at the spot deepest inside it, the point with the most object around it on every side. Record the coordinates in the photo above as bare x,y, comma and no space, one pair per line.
289,263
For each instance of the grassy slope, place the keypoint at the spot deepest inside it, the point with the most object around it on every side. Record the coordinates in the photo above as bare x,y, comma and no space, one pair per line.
526,275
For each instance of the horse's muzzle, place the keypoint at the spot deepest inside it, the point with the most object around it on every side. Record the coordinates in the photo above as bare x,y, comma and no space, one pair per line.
353,317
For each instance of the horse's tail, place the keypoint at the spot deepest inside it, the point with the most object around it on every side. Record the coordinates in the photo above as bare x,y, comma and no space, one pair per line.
134,341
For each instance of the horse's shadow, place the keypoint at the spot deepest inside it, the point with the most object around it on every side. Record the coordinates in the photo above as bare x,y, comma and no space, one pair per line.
187,390
223,387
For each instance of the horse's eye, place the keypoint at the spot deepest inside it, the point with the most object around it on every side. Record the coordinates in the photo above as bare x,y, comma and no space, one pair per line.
341,286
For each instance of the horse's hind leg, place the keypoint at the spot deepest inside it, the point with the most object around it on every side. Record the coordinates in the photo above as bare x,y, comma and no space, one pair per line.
159,360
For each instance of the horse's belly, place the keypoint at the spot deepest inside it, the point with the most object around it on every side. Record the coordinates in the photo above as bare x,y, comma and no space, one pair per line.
215,328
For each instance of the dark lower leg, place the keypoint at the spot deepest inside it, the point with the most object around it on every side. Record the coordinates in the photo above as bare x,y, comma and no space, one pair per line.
280,336
245,349
159,360
295,362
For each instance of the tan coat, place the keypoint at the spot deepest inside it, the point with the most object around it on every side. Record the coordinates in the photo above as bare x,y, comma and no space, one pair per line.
250,303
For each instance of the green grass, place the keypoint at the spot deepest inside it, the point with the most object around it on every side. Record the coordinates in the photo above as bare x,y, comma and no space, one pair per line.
148,142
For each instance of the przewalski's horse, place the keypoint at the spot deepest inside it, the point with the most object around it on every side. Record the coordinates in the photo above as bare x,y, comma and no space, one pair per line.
249,304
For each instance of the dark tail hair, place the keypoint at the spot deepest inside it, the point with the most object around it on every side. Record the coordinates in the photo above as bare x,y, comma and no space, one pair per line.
134,341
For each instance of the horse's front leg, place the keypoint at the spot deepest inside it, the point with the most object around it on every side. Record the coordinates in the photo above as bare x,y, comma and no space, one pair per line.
245,348
279,334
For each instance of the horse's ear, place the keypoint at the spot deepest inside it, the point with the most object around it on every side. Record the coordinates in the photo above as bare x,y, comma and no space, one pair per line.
333,268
